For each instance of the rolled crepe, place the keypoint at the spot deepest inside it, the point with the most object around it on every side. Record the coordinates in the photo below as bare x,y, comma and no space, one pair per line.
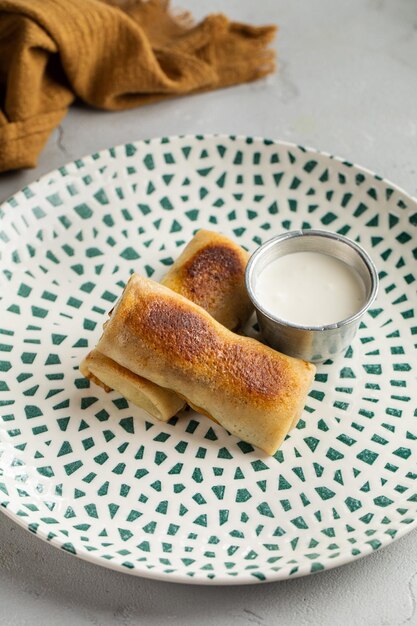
211,272
253,391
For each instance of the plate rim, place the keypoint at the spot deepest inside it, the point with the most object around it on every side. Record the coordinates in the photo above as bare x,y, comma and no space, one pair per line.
219,581
192,136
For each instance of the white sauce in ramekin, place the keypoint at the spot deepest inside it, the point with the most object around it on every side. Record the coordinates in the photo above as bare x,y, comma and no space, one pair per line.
310,289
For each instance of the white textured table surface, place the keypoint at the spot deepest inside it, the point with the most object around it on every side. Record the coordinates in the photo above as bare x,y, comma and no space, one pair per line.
347,84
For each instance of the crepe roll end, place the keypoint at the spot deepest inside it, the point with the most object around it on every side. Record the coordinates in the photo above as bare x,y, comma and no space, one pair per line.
158,402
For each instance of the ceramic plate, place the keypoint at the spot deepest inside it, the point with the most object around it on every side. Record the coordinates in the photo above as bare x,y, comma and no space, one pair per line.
186,501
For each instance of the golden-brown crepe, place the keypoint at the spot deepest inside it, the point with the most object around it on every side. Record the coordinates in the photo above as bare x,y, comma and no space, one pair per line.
211,272
253,391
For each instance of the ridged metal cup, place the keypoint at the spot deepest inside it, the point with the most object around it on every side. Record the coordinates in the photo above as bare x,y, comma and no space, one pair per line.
311,343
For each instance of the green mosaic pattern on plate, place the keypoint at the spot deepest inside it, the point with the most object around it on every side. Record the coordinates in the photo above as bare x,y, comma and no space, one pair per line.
186,501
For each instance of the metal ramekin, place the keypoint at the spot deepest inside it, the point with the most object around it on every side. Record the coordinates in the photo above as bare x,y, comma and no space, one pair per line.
311,343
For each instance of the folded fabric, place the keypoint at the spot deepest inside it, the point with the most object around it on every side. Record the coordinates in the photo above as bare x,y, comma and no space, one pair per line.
111,55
